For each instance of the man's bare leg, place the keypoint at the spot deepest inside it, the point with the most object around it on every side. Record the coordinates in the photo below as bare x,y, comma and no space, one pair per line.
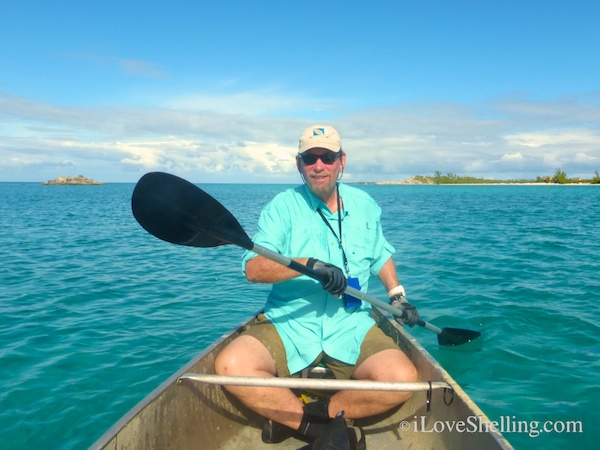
247,356
387,365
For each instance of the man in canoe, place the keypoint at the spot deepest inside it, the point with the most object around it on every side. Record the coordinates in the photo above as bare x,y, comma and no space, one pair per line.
335,229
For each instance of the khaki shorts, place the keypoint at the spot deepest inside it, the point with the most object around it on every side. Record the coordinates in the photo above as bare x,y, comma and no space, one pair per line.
374,342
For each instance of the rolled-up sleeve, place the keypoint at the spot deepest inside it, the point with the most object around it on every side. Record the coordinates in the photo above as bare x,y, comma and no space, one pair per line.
383,250
271,233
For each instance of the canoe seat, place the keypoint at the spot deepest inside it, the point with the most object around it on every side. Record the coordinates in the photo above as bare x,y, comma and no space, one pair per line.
318,371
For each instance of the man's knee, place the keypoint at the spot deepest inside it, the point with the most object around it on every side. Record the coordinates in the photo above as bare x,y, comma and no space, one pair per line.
410,373
404,371
224,363
244,356
387,365
407,374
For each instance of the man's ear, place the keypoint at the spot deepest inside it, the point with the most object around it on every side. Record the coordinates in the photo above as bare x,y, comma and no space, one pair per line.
298,166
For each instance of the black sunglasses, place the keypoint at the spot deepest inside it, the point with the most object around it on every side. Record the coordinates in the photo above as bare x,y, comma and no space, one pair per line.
328,158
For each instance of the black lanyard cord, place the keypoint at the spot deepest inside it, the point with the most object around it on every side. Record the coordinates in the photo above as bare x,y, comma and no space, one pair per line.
339,239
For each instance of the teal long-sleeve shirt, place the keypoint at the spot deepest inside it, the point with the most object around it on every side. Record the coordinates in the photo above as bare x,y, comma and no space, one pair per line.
309,319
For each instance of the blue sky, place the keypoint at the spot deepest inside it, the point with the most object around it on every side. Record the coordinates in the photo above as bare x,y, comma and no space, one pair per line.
221,91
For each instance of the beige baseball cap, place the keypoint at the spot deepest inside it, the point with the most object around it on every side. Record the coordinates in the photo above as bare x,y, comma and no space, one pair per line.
320,136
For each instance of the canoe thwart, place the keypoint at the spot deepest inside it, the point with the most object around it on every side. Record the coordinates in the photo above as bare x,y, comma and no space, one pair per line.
314,383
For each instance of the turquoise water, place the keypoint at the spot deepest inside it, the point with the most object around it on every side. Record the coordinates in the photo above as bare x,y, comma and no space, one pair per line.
95,313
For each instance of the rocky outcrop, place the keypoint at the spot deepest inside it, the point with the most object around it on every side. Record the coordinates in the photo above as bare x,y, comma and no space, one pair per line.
79,180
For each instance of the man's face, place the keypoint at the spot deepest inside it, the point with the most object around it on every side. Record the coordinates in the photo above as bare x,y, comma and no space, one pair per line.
320,177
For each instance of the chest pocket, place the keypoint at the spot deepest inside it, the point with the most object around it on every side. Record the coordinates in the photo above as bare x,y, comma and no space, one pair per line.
360,243
307,235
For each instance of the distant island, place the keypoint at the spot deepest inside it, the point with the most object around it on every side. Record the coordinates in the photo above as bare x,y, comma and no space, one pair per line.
79,180
560,177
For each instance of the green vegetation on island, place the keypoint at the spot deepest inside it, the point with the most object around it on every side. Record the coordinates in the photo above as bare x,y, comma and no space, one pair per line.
559,177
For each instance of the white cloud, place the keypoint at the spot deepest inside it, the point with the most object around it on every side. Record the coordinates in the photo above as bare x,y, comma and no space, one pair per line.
554,138
128,66
220,143
585,158
518,156
477,166
268,102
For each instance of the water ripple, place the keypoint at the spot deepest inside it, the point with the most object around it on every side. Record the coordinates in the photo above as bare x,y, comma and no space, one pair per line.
95,313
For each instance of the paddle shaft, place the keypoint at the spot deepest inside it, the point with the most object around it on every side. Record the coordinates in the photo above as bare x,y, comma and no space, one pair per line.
301,268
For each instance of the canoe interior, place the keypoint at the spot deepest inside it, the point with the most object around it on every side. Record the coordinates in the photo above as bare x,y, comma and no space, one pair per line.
192,415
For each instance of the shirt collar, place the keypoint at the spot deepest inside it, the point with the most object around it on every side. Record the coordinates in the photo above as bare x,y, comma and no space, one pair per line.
315,202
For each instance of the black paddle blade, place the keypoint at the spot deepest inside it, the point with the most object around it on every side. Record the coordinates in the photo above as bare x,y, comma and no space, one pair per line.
457,336
176,211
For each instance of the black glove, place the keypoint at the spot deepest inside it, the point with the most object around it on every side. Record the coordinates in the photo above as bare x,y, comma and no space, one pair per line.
333,279
410,315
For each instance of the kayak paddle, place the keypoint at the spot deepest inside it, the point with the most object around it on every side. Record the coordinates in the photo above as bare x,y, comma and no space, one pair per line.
177,211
